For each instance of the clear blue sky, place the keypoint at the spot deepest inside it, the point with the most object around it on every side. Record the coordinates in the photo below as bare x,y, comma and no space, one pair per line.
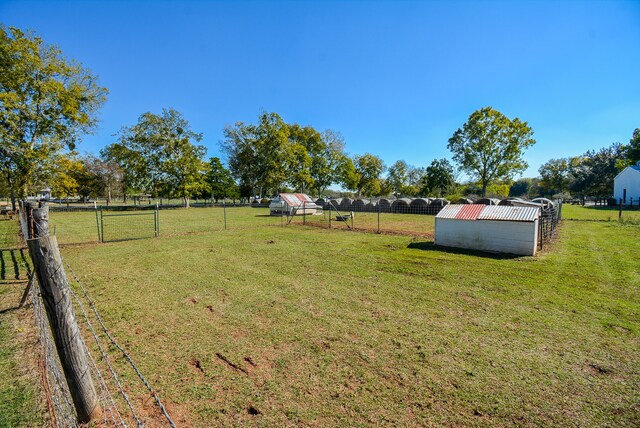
396,78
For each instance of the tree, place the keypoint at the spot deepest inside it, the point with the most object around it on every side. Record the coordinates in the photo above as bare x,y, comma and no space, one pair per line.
489,146
556,176
349,175
398,177
438,178
498,190
593,173
67,177
220,181
415,178
521,187
130,163
258,155
633,149
46,104
240,148
304,144
366,179
159,156
325,164
107,176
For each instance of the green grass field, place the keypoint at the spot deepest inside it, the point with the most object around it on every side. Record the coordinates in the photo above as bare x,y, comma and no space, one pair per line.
599,213
21,402
262,325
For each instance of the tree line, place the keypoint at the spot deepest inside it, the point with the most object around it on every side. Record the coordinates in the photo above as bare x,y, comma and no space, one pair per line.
47,103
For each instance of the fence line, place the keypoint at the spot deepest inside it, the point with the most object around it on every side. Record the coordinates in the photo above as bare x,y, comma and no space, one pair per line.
107,362
124,353
550,217
60,406
59,403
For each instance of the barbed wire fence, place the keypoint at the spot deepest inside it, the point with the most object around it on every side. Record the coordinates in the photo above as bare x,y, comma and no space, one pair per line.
118,409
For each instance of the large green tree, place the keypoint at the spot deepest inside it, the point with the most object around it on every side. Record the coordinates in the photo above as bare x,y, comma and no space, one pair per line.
220,181
305,143
556,175
259,154
106,177
439,177
490,146
47,103
325,164
398,177
160,156
362,174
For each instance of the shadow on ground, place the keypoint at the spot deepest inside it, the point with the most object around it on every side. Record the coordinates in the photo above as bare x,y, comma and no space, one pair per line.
13,264
430,246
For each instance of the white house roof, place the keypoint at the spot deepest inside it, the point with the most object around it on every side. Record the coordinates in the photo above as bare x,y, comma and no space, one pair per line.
489,212
635,168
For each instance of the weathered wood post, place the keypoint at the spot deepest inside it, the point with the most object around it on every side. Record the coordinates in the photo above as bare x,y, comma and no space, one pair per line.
620,210
28,211
56,296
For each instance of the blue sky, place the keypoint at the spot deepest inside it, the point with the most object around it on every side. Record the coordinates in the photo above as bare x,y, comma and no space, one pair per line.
396,78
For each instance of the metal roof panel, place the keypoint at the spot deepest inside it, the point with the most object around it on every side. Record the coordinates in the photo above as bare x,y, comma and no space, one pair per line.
505,213
449,211
469,212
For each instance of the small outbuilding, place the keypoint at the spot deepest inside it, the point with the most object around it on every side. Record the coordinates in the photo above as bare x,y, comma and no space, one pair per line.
492,228
626,185
293,204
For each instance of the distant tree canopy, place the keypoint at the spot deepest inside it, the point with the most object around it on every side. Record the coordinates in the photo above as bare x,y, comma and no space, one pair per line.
590,174
632,152
363,175
267,156
439,178
219,181
490,146
159,156
46,104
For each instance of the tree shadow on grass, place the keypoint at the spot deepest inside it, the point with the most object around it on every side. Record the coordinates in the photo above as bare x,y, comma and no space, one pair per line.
430,246
12,264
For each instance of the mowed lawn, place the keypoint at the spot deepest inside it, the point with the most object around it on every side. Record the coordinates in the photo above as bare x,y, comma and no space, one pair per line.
21,398
304,326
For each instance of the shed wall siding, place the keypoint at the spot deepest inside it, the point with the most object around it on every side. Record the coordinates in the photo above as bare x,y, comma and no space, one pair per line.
628,179
511,237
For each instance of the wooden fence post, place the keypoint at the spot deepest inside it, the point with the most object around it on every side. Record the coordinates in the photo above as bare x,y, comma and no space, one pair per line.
56,296
620,210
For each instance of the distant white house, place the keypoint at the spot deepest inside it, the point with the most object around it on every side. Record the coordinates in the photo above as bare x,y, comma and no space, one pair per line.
626,185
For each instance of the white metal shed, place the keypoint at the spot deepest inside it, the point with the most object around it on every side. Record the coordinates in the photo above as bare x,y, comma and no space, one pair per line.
293,204
492,228
626,185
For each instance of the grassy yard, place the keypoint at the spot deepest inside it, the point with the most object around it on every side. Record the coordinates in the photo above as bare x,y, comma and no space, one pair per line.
81,227
599,213
21,402
305,326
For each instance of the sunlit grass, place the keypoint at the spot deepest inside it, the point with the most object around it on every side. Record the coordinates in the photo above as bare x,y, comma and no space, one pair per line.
336,328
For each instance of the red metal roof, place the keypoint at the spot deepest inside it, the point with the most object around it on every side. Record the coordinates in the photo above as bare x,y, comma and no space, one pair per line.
469,212
489,212
295,199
